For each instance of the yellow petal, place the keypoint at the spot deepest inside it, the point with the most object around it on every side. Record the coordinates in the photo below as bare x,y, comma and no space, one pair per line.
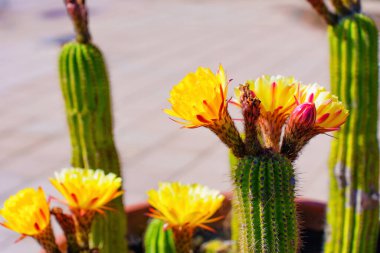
184,205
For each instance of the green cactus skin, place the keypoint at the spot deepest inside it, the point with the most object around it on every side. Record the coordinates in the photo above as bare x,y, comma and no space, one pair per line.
265,191
86,91
157,239
234,210
353,207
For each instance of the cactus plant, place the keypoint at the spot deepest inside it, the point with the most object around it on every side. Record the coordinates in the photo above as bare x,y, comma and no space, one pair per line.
353,206
157,239
263,178
85,86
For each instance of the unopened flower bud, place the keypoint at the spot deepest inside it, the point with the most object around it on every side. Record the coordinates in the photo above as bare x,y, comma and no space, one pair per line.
303,116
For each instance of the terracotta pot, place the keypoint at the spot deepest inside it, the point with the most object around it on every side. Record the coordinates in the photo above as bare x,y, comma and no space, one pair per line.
311,213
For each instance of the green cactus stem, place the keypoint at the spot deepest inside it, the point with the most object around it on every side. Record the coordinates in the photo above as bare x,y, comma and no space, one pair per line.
157,239
353,206
265,192
85,88
354,161
86,91
235,223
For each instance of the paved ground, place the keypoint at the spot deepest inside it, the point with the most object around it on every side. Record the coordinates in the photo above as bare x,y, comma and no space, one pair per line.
150,45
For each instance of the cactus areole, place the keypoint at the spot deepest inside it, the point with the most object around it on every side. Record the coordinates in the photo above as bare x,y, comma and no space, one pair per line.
353,206
86,91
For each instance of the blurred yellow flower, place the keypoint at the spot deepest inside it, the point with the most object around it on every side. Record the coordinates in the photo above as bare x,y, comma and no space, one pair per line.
200,98
181,205
26,212
86,189
331,113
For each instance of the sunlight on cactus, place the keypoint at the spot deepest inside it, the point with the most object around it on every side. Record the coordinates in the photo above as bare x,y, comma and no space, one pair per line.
353,205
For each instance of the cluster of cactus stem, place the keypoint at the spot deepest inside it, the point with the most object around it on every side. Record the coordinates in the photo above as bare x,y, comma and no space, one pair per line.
353,206
157,239
86,91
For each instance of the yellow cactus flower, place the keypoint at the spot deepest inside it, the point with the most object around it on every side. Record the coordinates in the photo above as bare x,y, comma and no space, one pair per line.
331,113
26,212
276,94
86,189
185,206
200,98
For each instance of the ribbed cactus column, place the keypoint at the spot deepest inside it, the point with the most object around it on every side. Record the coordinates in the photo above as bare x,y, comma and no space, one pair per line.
354,162
353,206
264,188
157,239
86,90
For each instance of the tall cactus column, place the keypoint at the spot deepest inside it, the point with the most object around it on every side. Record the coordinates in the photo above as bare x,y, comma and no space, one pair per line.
353,207
86,90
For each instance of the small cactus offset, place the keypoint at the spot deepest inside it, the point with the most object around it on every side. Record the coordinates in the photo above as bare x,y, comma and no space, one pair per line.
157,239
280,116
86,90
353,206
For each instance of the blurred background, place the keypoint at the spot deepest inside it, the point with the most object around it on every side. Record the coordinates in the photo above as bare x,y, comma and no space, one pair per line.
150,45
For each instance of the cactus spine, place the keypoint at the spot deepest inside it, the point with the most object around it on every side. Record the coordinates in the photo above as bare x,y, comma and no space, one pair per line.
353,208
86,91
265,197
157,239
